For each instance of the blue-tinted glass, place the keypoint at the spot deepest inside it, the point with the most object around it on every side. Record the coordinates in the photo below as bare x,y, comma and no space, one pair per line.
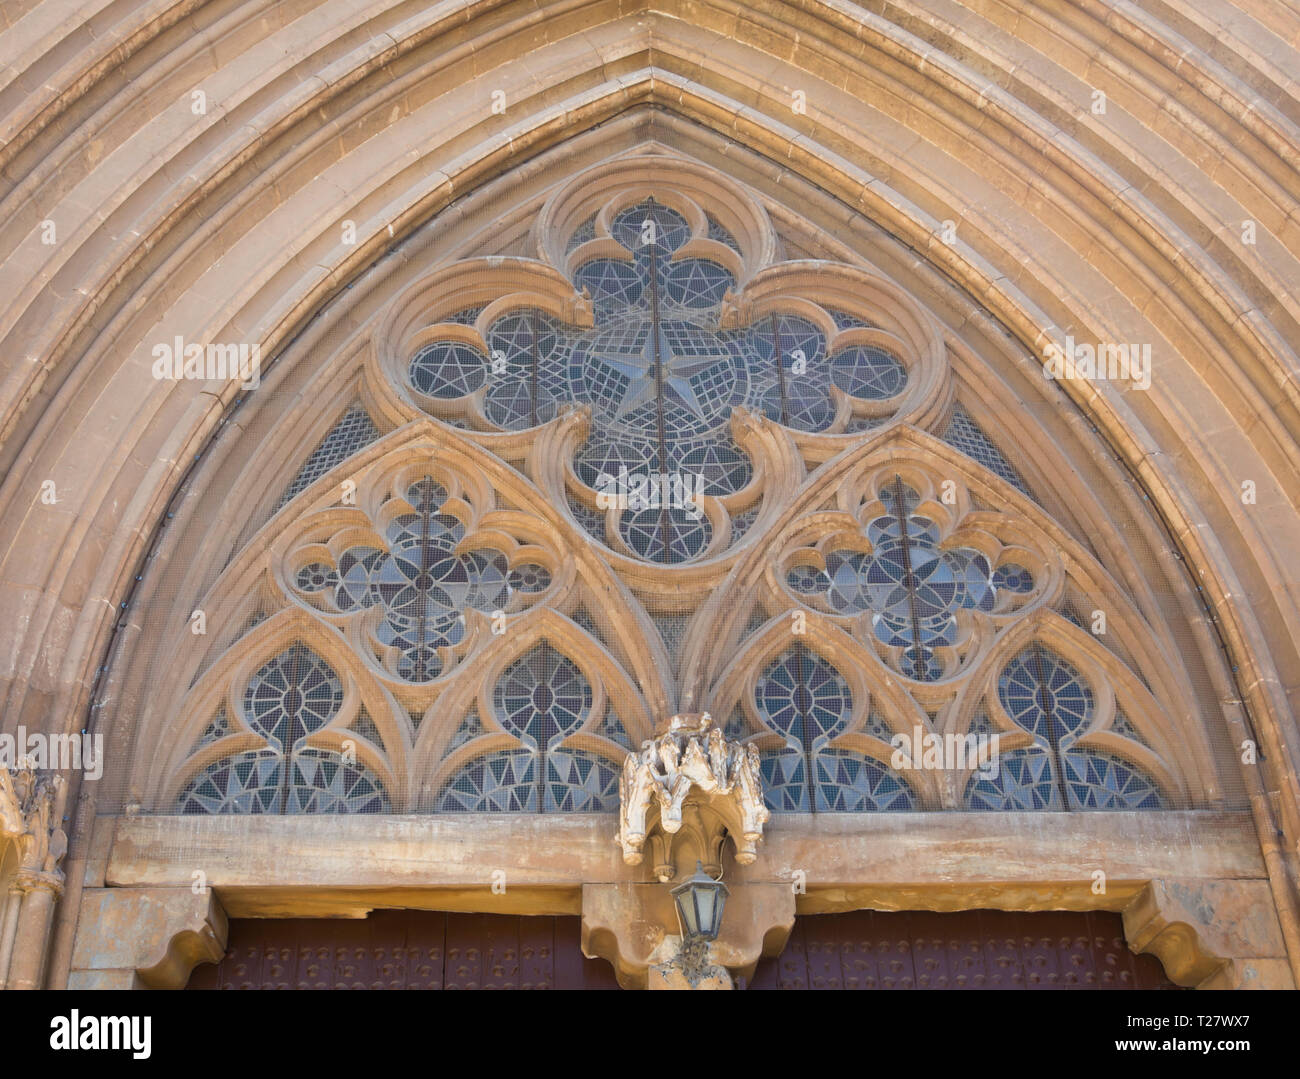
448,369
1024,780
542,697
804,698
1046,695
422,584
911,585
1097,780
660,401
501,782
288,698
869,372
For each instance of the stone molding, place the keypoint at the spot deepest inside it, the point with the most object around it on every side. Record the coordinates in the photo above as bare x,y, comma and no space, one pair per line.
1211,934
148,938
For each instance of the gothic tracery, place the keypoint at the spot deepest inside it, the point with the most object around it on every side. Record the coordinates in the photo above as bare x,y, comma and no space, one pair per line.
456,616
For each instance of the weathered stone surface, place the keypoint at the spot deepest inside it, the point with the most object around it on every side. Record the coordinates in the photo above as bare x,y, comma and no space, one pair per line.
155,935
1212,934
1127,224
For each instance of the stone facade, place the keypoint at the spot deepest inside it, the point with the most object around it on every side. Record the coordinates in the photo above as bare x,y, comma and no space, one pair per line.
336,184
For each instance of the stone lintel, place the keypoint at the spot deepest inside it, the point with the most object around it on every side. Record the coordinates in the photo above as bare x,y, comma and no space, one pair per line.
555,853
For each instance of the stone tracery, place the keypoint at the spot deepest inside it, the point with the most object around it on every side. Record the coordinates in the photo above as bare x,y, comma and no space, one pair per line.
653,337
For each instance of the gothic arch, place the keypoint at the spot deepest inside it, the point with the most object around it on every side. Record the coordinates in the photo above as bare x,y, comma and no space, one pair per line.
237,248
812,477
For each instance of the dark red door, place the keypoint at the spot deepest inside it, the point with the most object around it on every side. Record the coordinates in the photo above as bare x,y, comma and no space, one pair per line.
406,949
982,949
978,949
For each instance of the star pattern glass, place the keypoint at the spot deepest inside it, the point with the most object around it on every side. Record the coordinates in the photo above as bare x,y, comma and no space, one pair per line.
448,369
1025,781
288,698
868,371
501,782
578,781
542,698
1046,695
1100,781
660,376
804,698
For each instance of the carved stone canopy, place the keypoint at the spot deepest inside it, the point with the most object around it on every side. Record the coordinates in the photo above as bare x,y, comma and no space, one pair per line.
685,792
31,803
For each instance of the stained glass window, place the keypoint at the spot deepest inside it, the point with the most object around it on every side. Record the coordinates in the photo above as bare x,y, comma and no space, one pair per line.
542,699
501,782
1046,695
288,698
422,583
1024,781
911,586
662,378
448,369
802,697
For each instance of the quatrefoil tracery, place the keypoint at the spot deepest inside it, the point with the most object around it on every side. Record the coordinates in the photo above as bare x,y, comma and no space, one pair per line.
673,350
902,571
678,354
413,576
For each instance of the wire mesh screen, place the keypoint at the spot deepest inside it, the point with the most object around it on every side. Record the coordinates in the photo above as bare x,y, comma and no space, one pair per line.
404,634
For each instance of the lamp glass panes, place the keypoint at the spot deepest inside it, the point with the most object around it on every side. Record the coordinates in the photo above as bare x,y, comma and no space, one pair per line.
700,900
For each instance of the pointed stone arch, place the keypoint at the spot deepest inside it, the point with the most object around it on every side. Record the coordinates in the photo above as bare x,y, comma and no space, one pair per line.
210,256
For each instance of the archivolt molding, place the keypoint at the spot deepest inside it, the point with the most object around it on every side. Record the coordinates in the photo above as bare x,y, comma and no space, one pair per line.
685,185
958,102
1006,113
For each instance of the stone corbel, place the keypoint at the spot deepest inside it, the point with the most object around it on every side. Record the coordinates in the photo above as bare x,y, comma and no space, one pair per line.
634,927
1211,934
132,938
682,796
